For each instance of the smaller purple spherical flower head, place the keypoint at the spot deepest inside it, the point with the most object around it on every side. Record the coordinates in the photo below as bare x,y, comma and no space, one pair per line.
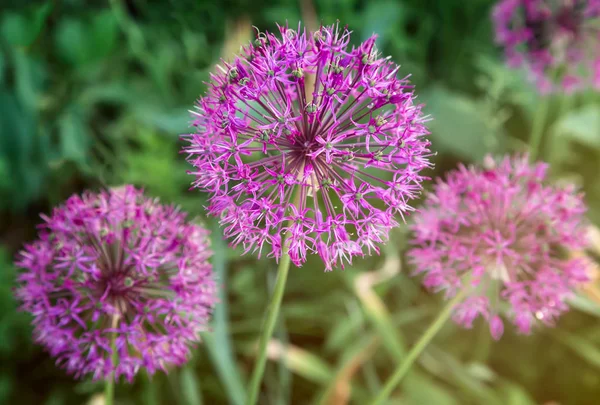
558,41
328,164
503,234
117,270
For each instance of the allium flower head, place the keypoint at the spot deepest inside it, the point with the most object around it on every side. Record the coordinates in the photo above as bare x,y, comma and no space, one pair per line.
506,236
117,266
557,40
329,164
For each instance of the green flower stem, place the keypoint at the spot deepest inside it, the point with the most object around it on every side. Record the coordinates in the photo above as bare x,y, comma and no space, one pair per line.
269,326
272,314
537,129
109,391
109,388
418,348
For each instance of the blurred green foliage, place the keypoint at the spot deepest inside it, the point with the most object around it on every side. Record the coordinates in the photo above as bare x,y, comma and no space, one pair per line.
95,93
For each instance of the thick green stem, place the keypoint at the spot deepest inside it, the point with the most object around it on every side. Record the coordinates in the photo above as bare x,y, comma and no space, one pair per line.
269,326
418,348
537,129
109,388
109,391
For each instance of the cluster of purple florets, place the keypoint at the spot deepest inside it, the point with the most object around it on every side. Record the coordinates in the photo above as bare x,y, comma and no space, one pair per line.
117,271
505,235
558,41
329,164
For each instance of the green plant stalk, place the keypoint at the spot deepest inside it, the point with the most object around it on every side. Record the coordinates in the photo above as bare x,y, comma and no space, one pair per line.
537,129
269,326
109,388
109,391
418,348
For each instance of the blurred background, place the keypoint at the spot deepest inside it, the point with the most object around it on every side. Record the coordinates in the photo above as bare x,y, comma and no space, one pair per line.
95,94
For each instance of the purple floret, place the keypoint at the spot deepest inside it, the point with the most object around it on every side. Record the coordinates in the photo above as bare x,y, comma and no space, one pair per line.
506,236
117,267
558,41
331,165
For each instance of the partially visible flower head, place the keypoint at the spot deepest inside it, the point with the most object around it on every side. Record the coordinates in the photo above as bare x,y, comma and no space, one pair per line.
558,41
117,265
506,236
329,165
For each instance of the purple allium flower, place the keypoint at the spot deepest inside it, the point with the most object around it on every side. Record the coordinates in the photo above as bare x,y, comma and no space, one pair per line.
557,40
502,233
330,165
117,265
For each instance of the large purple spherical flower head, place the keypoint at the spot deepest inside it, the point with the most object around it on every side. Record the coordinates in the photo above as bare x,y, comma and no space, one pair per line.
117,269
328,164
504,235
558,41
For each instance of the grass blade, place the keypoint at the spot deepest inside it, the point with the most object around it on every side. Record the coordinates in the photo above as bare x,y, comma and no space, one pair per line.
218,342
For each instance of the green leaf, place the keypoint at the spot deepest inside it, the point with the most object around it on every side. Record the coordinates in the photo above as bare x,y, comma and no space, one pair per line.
74,139
30,77
71,41
378,314
14,29
81,42
581,125
114,93
587,350
584,304
2,67
458,125
218,341
421,390
152,161
446,366
22,30
19,148
516,395
302,362
175,121
190,387
103,33
4,182
344,330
